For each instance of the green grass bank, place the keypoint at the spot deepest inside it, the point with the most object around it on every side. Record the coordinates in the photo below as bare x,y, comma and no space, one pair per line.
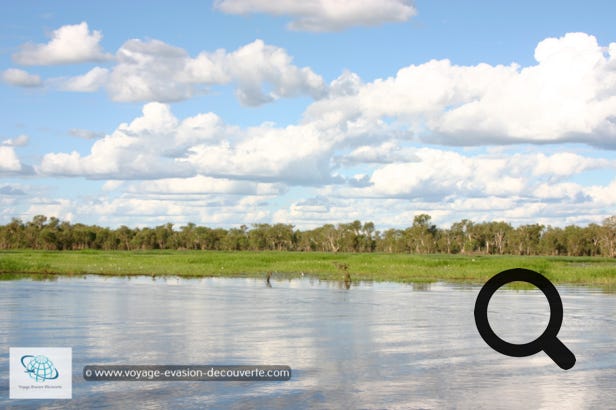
362,267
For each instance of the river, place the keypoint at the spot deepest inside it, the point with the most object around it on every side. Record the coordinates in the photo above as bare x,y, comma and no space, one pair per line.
374,345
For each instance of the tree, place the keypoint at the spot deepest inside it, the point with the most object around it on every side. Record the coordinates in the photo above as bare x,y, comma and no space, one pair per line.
12,236
575,240
330,237
368,243
608,236
392,241
125,237
464,235
421,236
447,242
258,237
553,242
236,239
280,237
526,239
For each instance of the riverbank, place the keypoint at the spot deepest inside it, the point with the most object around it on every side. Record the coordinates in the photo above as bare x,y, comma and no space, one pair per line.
327,266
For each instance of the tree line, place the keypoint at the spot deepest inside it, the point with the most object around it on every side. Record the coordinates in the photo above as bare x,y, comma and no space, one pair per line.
422,237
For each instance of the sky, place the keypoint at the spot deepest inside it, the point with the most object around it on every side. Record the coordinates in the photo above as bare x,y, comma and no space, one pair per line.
238,112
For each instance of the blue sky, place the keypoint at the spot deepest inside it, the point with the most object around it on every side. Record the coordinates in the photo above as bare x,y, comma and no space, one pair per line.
249,111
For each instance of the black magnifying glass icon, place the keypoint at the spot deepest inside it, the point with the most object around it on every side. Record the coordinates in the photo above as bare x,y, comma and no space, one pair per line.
548,341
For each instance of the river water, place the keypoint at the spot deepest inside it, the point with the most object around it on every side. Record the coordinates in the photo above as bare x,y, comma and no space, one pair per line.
374,345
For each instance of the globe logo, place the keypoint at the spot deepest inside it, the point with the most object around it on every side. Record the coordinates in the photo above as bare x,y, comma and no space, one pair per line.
39,368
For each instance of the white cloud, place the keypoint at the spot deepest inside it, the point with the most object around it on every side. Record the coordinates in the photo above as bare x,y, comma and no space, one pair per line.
9,162
569,95
60,208
558,210
89,82
112,185
21,78
385,153
325,15
68,45
148,71
604,195
560,191
442,175
158,145
257,63
294,154
155,71
352,155
135,208
445,184
571,91
18,141
218,158
135,150
147,210
200,185
566,164
347,83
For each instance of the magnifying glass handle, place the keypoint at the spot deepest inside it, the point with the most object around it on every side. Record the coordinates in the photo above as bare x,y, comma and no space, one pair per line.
562,356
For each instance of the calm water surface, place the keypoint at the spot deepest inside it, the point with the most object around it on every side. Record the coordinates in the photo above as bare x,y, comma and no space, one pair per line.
378,345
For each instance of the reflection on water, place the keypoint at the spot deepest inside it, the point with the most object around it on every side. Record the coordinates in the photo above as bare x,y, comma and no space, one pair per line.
374,345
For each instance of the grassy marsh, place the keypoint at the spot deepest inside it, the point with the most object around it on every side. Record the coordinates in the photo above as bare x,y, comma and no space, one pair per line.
361,266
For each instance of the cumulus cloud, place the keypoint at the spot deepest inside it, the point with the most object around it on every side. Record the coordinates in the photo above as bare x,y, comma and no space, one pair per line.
178,163
9,162
348,83
559,191
89,82
21,78
258,63
200,185
444,175
325,15
356,153
153,70
60,208
385,153
158,145
569,95
295,154
439,174
145,210
566,203
135,150
604,195
68,45
564,164
148,71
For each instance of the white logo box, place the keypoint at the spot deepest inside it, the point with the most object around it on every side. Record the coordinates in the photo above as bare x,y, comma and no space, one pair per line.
41,372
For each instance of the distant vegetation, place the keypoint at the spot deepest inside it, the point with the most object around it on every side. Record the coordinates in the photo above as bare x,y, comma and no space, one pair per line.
422,237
